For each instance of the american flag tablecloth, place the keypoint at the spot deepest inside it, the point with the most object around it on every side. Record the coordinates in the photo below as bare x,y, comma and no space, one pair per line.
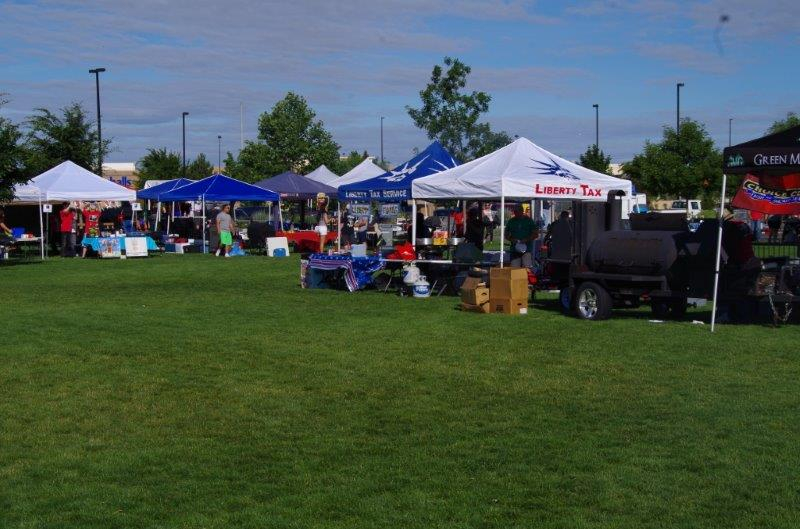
357,270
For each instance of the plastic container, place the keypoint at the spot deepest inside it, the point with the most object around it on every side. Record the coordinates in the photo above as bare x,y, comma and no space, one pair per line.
410,274
17,233
422,289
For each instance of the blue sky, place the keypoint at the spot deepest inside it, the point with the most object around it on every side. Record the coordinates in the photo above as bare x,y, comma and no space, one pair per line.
544,63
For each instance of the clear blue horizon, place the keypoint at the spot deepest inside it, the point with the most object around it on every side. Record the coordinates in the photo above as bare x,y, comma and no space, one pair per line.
544,64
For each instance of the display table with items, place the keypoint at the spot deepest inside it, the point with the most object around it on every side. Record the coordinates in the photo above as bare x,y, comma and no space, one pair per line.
330,271
110,247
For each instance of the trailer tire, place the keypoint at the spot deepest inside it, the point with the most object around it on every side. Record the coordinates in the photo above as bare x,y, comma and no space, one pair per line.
592,302
565,297
664,309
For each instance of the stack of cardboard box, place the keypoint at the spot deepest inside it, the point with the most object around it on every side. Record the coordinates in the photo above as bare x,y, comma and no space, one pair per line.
509,290
474,295
508,293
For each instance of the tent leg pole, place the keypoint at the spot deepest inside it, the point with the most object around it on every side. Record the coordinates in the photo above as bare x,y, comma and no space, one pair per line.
338,226
502,228
41,228
203,205
719,252
414,225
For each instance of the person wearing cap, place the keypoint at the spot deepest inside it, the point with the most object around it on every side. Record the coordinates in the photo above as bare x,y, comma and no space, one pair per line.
521,231
322,220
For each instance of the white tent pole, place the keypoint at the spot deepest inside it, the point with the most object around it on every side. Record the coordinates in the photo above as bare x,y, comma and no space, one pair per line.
414,225
41,226
502,226
338,226
158,214
719,251
203,205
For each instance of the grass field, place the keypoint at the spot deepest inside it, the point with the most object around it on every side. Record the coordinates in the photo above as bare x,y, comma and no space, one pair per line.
199,392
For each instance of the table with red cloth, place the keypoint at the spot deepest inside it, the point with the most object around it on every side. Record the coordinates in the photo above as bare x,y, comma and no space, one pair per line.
306,240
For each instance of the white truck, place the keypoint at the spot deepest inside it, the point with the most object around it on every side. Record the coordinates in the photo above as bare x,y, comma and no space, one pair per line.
692,212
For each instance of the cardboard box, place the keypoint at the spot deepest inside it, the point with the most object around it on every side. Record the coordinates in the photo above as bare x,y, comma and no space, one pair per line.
475,296
508,306
471,282
516,289
508,273
483,308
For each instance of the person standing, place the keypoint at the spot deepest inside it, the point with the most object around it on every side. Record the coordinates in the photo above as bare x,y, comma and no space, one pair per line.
322,220
474,231
67,227
225,228
91,224
521,231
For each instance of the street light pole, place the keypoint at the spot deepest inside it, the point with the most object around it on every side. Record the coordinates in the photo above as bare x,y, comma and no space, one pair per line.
596,125
96,72
382,118
678,120
219,152
183,165
730,126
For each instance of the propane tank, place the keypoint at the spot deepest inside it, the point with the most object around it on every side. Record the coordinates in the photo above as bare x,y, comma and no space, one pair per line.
422,289
410,274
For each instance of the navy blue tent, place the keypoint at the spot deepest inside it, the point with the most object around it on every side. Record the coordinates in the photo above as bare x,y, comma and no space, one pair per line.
219,188
155,192
291,185
395,185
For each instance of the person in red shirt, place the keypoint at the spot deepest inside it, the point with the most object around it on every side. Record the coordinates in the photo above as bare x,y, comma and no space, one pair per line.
67,227
91,224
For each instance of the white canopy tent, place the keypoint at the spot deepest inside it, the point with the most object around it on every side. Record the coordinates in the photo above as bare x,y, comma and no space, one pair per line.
520,170
322,175
363,171
66,182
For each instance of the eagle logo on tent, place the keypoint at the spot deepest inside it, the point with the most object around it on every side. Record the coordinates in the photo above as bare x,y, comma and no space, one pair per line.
399,175
553,169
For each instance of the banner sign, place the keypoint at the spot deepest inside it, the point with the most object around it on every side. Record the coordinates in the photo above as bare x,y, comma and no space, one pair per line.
770,195
136,247
360,210
390,210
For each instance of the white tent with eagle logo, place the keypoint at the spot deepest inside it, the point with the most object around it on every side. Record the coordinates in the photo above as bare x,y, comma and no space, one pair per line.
523,171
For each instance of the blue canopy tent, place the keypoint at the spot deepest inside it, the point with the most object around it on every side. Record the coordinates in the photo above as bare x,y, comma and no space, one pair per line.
155,192
395,185
292,186
219,188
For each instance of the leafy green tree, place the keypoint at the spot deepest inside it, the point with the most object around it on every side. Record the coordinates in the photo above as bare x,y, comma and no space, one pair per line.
12,156
159,164
290,138
689,166
343,165
596,160
199,168
451,116
53,139
792,120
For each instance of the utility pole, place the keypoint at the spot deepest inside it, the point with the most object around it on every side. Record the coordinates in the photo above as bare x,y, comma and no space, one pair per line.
96,73
241,123
730,126
183,117
219,152
382,118
596,125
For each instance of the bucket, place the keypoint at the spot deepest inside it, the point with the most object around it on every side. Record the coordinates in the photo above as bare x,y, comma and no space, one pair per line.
422,289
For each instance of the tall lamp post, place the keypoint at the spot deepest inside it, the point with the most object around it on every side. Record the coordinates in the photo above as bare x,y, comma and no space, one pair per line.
596,125
382,118
219,152
183,118
97,72
730,126
678,119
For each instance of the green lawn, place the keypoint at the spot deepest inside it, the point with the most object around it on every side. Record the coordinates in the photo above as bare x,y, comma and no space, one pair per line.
199,392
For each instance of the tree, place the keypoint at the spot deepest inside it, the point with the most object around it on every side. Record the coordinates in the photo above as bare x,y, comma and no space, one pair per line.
452,117
290,138
199,168
12,156
159,164
346,164
688,166
53,139
792,120
596,160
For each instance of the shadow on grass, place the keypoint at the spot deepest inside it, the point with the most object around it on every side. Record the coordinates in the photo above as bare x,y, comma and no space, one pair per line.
4,263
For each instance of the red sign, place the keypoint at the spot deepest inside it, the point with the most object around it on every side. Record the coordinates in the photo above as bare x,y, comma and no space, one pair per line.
773,195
